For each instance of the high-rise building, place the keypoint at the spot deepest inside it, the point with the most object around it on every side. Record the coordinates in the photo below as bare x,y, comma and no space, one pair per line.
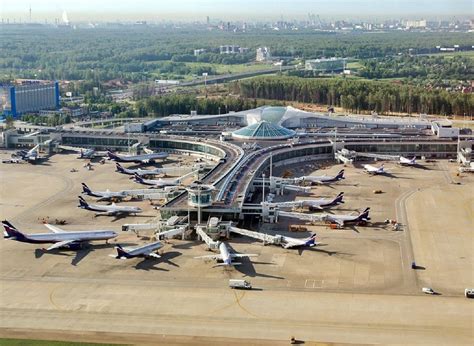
263,54
33,97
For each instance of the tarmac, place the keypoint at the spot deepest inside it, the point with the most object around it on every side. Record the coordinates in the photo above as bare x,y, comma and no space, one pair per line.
357,288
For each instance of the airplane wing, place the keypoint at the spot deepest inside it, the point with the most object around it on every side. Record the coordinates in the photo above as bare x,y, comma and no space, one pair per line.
53,228
60,244
214,257
237,255
152,254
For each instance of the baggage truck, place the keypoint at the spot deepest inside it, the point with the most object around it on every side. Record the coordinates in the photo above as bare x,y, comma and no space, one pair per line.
240,284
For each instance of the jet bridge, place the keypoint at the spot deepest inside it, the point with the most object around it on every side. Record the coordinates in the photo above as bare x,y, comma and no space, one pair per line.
300,216
211,244
266,238
171,233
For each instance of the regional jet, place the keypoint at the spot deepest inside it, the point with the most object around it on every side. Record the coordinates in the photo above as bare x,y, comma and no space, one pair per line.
407,162
374,170
341,220
312,204
106,195
144,158
108,209
57,236
322,179
146,251
225,257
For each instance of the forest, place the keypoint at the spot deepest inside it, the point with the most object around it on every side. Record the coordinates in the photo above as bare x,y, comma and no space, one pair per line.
137,54
357,95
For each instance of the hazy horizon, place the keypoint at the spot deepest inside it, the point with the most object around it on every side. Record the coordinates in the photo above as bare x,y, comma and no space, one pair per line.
197,10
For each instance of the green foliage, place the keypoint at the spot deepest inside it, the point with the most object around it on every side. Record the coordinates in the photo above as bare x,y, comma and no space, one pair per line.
9,121
184,104
135,54
427,67
47,120
357,95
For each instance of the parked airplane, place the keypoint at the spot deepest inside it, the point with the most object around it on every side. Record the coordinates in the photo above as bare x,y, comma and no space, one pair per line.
106,195
341,220
140,172
225,256
31,155
312,204
59,237
323,179
108,209
144,158
407,162
374,170
146,251
158,182
90,153
289,242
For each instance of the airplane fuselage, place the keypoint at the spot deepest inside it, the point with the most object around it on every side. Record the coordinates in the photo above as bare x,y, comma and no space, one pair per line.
43,238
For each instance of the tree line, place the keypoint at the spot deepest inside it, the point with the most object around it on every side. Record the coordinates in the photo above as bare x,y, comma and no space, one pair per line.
357,95
160,106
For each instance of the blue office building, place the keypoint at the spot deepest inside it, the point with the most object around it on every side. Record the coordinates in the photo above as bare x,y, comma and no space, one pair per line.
29,98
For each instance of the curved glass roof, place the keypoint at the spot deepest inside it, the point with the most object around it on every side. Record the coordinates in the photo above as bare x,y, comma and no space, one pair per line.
273,114
263,130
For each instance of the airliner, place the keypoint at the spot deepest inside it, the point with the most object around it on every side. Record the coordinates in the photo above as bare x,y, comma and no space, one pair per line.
106,195
407,162
144,158
225,257
108,210
146,251
139,171
161,182
374,170
30,156
323,179
57,236
341,220
312,204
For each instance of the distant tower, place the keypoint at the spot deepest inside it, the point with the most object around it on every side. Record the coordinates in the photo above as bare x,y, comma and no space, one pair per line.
208,20
30,13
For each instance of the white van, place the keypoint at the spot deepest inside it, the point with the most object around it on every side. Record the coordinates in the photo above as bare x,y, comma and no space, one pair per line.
240,284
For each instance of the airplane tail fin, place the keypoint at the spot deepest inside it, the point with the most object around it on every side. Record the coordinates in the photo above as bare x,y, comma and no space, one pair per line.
111,155
121,253
85,189
11,232
365,214
339,198
138,178
81,155
82,202
311,241
119,167
340,175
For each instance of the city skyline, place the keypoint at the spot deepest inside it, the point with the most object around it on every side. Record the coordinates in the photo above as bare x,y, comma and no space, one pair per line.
188,10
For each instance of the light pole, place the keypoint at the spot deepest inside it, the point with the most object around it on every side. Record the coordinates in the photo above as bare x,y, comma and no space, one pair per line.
263,188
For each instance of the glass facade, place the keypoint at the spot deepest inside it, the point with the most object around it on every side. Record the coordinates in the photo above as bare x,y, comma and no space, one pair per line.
263,130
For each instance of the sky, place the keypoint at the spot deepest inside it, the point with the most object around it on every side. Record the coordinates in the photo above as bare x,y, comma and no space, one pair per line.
84,10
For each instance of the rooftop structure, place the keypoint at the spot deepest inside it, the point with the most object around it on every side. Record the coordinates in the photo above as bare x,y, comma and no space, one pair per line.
325,65
263,130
